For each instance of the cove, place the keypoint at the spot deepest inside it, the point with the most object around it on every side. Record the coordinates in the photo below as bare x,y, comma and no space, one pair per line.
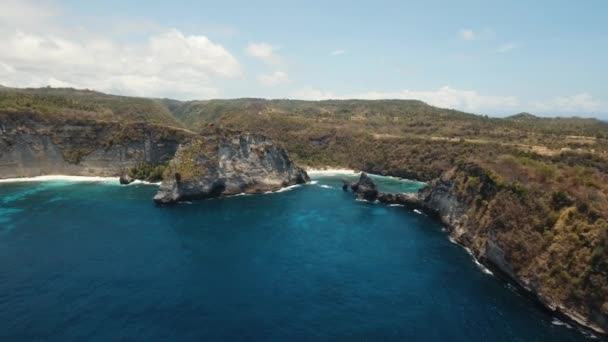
97,261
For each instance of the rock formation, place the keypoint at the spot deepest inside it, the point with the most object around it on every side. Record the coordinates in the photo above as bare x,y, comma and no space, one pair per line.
365,188
31,145
226,164
485,215
125,178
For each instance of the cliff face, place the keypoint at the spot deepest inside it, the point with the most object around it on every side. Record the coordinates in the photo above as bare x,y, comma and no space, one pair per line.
508,227
31,146
227,164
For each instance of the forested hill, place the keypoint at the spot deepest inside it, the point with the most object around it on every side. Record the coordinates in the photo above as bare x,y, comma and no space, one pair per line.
71,104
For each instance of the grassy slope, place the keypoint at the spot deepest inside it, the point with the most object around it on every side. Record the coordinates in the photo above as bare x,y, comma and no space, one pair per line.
66,104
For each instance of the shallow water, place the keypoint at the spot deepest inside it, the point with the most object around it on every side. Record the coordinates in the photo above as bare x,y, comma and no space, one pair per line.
98,261
384,184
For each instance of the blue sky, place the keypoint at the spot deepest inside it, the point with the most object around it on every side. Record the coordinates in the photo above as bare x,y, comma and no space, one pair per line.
496,58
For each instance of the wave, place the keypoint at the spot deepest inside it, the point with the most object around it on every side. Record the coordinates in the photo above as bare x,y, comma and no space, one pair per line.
477,263
330,172
145,183
60,178
287,188
559,323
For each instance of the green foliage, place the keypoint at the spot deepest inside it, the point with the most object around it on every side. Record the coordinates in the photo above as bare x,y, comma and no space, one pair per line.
147,172
560,199
67,103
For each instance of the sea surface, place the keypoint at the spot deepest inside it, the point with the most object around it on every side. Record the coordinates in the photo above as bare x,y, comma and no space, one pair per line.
96,261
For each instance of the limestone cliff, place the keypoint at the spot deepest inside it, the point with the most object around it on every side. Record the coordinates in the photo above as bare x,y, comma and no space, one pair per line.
31,145
225,164
561,261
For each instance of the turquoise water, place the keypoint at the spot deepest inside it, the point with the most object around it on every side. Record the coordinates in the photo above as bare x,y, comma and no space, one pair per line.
384,184
94,261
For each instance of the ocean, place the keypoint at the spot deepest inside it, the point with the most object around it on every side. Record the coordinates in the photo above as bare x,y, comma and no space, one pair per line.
96,261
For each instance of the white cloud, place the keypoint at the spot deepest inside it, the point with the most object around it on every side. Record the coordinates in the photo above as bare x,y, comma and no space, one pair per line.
467,34
472,101
265,52
580,103
27,13
274,79
506,47
166,63
313,94
338,52
445,97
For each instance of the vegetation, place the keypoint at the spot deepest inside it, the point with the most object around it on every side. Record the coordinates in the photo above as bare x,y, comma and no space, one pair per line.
67,103
550,221
547,205
194,159
147,172
540,188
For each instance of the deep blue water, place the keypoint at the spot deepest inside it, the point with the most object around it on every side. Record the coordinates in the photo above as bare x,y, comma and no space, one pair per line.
99,262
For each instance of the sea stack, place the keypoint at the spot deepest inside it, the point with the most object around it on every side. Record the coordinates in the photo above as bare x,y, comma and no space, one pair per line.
226,164
365,188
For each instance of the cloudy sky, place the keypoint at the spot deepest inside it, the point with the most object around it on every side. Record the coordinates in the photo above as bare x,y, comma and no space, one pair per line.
487,57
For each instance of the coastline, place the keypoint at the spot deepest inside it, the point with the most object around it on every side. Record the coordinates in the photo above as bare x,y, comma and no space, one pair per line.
52,178
328,172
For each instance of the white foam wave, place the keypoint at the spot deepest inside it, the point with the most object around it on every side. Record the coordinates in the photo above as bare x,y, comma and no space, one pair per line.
330,172
418,211
144,182
287,188
479,265
60,178
557,322
326,186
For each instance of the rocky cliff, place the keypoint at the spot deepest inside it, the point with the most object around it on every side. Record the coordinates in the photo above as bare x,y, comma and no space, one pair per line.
31,145
556,252
553,249
224,164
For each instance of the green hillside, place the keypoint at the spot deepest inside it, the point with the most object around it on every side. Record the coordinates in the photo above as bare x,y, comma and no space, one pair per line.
67,103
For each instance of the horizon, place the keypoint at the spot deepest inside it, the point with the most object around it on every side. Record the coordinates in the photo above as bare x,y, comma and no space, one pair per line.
497,61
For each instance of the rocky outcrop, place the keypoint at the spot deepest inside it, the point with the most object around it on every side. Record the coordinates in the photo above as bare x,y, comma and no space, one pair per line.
499,224
365,188
125,178
226,164
31,145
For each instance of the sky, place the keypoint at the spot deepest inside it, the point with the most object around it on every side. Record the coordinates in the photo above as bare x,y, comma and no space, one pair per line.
487,57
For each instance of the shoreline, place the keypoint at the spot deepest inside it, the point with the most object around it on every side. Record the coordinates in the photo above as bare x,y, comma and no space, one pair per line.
350,172
313,171
51,178
47,178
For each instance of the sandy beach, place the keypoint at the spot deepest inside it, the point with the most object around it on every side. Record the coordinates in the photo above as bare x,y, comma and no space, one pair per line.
327,172
50,178
60,178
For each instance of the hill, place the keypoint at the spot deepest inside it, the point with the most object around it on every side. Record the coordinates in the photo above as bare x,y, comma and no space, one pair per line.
68,103
532,191
537,197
